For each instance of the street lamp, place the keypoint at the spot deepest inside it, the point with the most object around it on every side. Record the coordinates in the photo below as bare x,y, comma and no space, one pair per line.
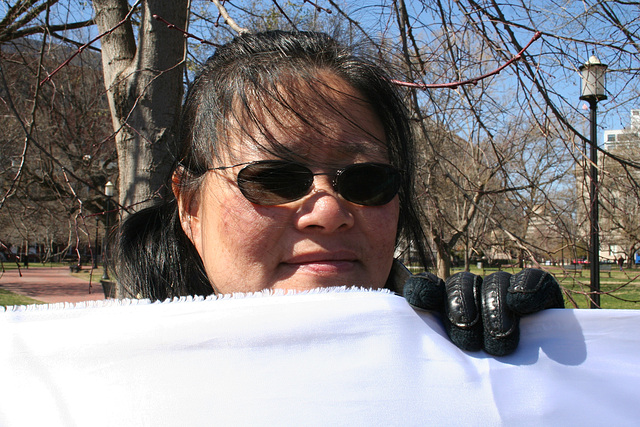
94,265
108,191
593,90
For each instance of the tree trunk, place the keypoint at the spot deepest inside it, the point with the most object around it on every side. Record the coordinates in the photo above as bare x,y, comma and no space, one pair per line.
443,257
467,255
443,261
144,87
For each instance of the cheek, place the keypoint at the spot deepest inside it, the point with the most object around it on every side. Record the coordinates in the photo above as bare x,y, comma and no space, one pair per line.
235,231
383,223
381,226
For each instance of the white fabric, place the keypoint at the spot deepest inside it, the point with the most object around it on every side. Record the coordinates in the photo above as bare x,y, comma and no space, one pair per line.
327,358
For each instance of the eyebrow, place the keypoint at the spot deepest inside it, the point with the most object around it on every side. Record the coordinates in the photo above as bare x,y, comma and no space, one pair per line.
298,152
362,146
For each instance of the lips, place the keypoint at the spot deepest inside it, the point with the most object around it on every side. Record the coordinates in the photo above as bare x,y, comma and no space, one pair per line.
312,257
323,262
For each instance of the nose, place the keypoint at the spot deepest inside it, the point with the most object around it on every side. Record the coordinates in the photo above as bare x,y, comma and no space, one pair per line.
323,210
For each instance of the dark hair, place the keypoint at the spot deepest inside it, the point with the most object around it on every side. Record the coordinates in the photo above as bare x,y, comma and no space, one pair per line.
155,258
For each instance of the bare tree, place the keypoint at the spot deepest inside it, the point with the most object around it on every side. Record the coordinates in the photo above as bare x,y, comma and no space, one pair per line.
492,86
55,145
143,76
457,41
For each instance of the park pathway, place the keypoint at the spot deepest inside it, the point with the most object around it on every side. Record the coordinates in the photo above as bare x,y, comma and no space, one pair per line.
51,285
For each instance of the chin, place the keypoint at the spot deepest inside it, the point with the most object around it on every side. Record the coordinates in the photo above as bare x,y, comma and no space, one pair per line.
309,284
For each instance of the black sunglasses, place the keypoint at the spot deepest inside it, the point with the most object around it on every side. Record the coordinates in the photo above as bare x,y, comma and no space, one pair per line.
275,182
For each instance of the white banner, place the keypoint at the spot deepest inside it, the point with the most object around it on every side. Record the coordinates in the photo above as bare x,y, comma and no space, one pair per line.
329,358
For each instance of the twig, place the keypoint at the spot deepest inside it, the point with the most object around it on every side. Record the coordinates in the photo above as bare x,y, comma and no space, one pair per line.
84,46
82,217
283,13
473,81
28,131
318,7
186,33
228,19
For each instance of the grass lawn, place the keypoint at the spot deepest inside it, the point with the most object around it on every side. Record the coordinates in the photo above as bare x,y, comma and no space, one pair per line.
621,288
93,275
10,298
6,265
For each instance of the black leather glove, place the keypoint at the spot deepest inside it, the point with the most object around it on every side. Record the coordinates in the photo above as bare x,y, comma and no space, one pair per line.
485,314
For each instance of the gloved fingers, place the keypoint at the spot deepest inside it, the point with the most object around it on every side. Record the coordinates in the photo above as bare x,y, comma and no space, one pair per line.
485,314
425,291
500,323
532,290
462,319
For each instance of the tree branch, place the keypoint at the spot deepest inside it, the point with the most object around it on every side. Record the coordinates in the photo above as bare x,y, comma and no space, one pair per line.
228,19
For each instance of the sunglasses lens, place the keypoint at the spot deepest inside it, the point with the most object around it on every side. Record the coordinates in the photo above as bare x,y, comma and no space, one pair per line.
369,184
274,182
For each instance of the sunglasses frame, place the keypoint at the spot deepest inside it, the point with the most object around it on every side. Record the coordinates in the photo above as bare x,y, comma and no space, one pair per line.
393,174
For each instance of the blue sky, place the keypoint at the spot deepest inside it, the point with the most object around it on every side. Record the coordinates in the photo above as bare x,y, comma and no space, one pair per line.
613,113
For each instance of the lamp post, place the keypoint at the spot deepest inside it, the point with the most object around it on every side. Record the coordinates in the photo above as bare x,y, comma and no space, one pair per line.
94,265
108,191
593,90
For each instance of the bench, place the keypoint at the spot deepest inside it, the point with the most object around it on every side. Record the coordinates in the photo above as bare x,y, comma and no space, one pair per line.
572,269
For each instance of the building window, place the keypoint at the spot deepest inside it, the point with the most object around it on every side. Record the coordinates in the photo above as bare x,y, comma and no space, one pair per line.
611,137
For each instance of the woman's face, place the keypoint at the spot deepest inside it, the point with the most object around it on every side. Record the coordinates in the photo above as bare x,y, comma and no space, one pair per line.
320,240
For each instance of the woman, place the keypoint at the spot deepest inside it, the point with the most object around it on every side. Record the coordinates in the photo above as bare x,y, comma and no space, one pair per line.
295,171
270,110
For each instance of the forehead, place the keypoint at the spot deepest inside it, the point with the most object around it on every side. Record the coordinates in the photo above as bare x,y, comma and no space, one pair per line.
322,119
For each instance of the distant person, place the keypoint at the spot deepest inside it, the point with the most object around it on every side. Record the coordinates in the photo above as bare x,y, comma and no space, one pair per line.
620,263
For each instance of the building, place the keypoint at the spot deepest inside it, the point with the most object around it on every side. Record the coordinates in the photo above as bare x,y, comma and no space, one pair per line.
616,138
619,195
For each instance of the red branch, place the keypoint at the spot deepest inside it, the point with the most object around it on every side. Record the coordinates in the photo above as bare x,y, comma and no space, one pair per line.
186,34
475,80
86,45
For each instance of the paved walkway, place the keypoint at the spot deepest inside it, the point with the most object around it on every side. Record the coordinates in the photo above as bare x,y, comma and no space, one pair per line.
51,285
